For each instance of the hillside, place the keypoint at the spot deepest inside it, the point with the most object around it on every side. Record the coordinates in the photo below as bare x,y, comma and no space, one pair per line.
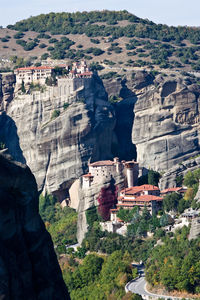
115,39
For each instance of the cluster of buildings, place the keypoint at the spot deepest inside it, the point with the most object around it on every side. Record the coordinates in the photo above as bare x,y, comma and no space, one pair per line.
40,74
33,74
143,196
146,195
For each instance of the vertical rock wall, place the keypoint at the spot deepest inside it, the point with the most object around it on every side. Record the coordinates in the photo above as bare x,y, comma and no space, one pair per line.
28,265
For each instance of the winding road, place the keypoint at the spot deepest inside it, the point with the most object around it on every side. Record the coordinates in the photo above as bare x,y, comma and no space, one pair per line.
138,286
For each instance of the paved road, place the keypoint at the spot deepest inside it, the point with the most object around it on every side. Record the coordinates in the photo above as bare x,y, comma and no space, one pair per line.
138,286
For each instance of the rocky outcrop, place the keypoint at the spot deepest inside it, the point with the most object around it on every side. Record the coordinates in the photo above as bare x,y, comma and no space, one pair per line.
166,124
169,179
57,149
88,198
28,264
7,84
194,229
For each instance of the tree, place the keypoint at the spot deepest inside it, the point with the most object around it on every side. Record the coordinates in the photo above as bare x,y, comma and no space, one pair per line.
171,201
189,179
153,177
107,199
23,87
55,114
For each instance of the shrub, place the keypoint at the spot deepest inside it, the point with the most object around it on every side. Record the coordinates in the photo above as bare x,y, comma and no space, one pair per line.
65,105
55,114
42,45
18,35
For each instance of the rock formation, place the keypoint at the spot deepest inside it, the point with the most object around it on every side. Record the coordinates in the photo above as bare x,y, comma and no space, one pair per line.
166,124
194,229
28,264
88,198
57,149
157,121
7,84
169,178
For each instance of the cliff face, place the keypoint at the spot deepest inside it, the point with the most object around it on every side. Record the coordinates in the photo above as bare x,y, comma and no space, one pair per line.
58,149
88,198
168,179
7,83
157,121
166,124
28,264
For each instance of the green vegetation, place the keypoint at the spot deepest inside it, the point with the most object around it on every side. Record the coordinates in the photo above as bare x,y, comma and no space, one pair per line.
36,87
115,99
95,41
99,278
60,222
18,35
175,202
2,145
4,39
23,90
79,23
152,177
65,105
44,56
41,46
175,265
55,114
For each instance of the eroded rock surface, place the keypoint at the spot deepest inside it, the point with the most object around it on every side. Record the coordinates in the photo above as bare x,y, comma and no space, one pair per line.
166,124
89,197
169,179
28,265
7,84
58,149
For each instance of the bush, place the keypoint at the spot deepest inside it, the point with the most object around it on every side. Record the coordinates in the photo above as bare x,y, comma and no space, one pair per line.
55,114
41,46
18,35
44,56
65,105
97,51
4,40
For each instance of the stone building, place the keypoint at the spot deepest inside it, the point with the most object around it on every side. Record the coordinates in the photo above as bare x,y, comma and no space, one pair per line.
138,196
100,170
33,74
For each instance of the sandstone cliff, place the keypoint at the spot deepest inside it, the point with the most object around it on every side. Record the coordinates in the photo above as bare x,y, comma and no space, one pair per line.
157,121
58,149
88,198
7,84
166,124
168,179
28,264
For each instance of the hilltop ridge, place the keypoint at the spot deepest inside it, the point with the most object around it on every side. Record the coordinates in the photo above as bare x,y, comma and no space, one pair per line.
113,38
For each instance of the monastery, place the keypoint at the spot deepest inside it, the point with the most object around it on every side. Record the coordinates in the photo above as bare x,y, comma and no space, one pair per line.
33,74
40,74
106,168
141,196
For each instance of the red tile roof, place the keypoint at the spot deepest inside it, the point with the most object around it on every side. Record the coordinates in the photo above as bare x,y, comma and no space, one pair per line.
102,163
87,175
34,68
148,198
135,189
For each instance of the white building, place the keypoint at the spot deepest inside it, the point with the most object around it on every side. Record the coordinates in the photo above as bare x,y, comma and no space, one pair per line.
33,74
103,169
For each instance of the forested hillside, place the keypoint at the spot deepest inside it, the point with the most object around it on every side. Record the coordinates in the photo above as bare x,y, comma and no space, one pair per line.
112,38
